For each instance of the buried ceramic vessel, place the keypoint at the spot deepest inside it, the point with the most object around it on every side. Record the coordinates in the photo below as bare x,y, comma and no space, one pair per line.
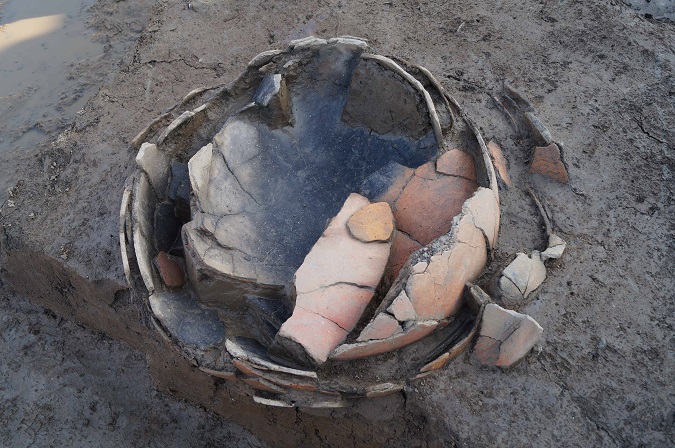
328,209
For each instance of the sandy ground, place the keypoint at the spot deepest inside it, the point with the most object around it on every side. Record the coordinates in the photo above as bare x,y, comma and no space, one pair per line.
601,76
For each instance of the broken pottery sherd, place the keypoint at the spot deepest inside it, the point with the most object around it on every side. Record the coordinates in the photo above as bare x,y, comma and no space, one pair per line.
556,247
402,308
456,163
499,162
383,326
381,390
436,292
156,164
186,320
377,346
505,336
169,270
373,222
338,278
519,279
547,162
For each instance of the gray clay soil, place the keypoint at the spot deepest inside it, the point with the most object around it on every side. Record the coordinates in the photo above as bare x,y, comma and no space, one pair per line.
602,78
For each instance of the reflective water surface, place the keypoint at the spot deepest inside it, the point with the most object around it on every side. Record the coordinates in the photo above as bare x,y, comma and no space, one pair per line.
44,48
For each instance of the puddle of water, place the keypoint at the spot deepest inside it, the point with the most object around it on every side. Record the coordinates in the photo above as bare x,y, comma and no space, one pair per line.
44,47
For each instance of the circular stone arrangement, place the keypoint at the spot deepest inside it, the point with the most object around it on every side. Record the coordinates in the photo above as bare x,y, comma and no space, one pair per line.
310,229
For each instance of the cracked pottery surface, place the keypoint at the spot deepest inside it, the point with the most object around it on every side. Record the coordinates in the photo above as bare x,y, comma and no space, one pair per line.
310,229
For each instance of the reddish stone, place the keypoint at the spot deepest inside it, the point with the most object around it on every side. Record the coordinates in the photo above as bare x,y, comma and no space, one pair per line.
401,248
427,205
546,161
456,163
436,293
381,327
169,270
376,347
315,333
499,162
373,222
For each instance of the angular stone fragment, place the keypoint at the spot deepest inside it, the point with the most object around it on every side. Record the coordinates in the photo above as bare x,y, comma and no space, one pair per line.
373,222
381,327
375,347
546,161
505,336
402,308
169,270
436,292
457,163
155,164
499,162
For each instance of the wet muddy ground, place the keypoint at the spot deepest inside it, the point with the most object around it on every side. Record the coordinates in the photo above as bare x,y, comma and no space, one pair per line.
602,77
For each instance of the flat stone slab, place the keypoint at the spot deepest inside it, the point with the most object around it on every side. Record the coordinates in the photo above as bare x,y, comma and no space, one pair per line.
505,336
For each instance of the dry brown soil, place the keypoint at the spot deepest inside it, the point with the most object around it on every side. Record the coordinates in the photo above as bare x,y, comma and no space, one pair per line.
601,76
